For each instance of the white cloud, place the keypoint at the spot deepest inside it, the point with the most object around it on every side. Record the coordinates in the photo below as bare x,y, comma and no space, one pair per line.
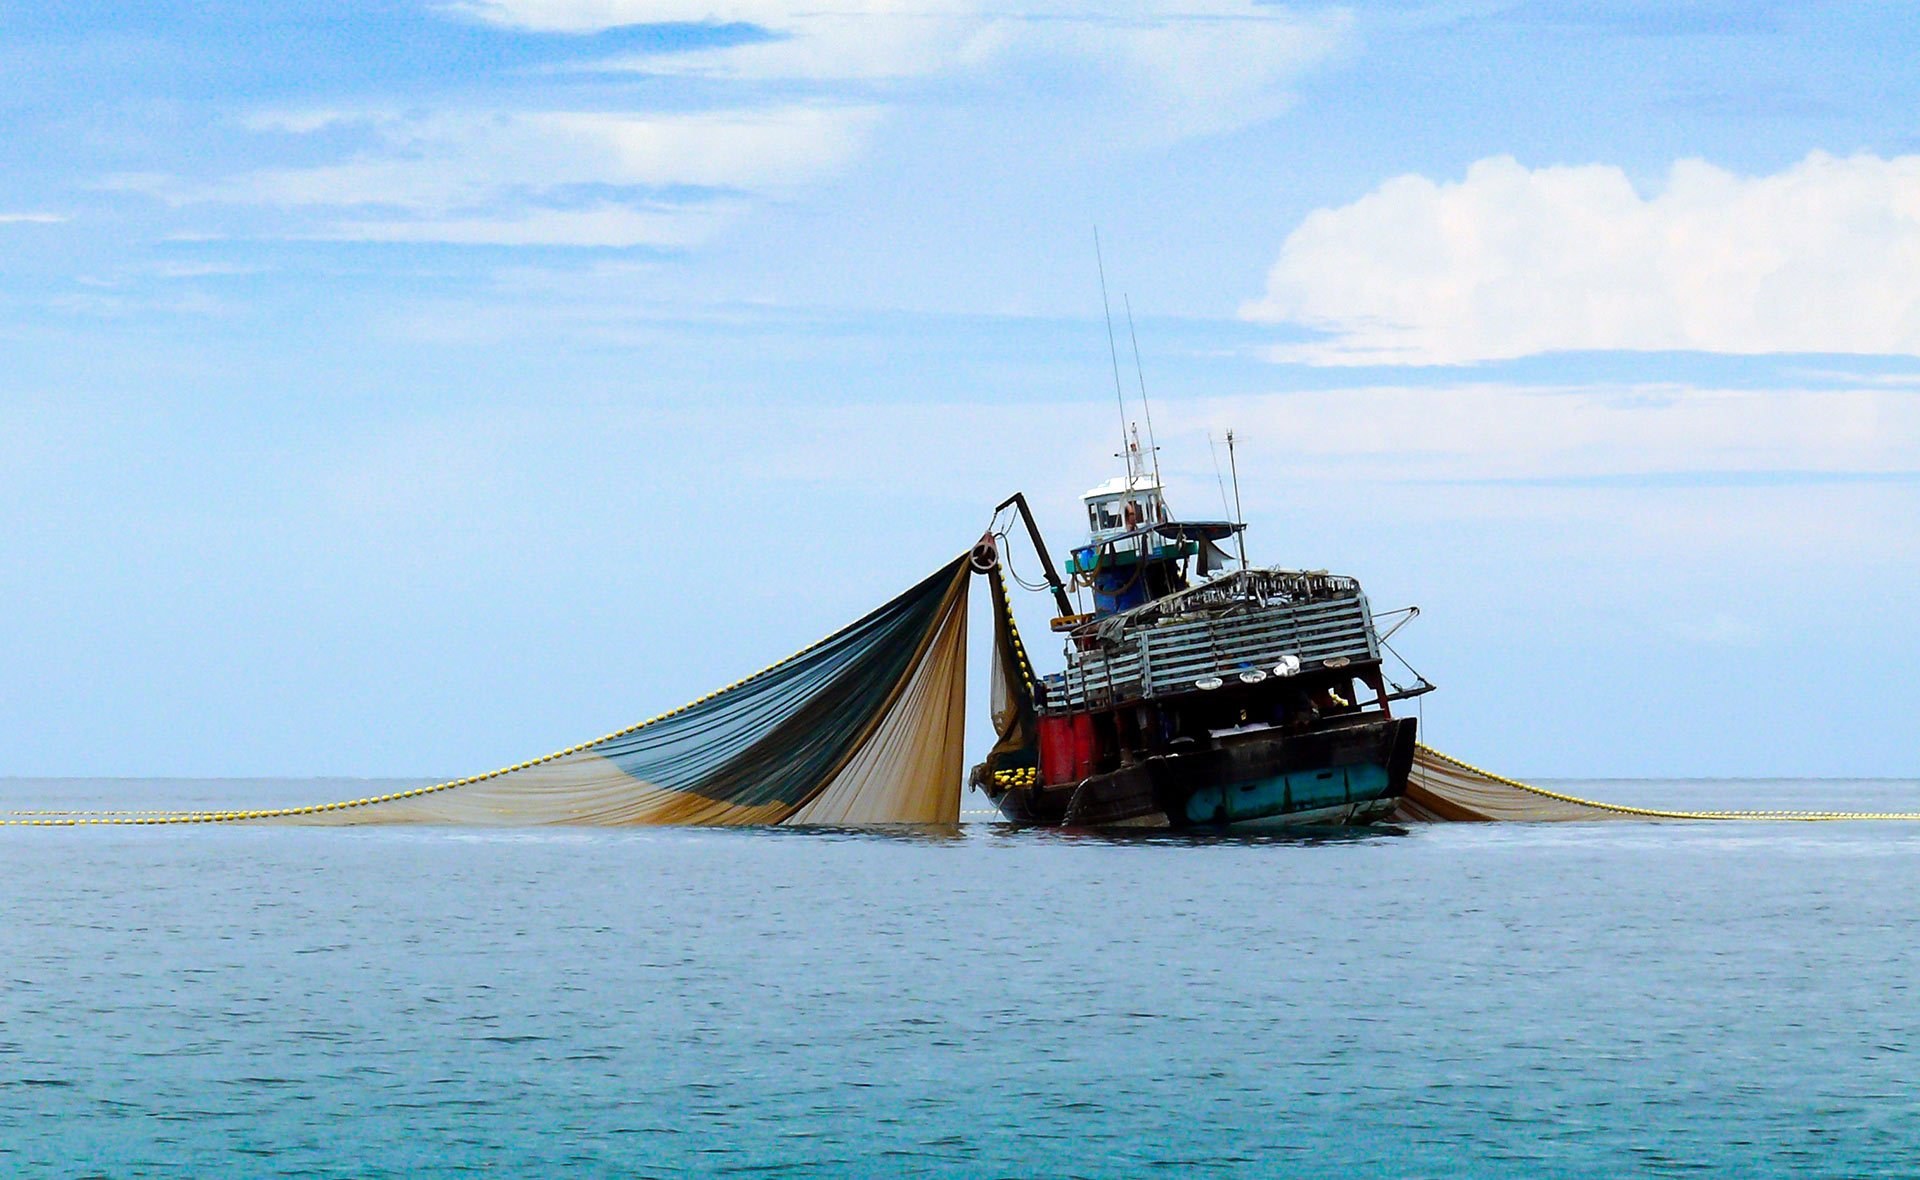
31,218
791,111
1197,77
600,225
592,16
1166,71
1177,67
202,269
795,109
442,162
1511,261
852,42
514,177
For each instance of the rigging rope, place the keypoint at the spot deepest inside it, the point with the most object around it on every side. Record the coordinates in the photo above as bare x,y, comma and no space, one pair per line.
1006,563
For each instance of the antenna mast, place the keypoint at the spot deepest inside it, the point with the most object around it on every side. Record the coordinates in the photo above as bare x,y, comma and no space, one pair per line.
1213,448
1113,351
1241,532
1152,445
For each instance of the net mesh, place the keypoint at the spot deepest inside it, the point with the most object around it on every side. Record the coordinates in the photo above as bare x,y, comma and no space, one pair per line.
1443,788
864,727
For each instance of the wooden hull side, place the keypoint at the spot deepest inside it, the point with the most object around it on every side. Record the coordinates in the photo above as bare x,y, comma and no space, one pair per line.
1353,771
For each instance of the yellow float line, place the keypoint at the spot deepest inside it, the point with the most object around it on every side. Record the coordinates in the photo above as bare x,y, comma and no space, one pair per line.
76,818
1655,813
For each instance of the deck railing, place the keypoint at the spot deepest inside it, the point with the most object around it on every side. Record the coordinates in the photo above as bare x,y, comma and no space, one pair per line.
1255,622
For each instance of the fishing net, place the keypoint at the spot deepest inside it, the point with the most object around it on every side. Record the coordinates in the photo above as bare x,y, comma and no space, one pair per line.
1014,760
864,727
1442,788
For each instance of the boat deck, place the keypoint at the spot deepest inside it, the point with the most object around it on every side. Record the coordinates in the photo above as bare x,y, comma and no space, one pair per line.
1250,624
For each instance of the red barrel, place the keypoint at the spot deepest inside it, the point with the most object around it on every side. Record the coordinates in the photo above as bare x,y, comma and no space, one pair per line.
1068,748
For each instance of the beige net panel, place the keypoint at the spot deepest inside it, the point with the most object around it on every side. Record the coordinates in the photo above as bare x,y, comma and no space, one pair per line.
864,727
1444,789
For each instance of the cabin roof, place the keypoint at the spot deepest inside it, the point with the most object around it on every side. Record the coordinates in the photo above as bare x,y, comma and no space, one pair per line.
1175,530
1119,486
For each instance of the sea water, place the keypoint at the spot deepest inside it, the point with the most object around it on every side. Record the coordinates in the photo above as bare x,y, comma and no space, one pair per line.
1461,1000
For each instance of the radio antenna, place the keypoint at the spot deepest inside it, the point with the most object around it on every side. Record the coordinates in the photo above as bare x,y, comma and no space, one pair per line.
1146,405
1241,532
1213,448
1113,351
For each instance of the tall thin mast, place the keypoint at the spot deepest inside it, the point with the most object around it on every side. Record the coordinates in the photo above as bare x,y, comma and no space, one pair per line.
1113,351
1240,532
1146,405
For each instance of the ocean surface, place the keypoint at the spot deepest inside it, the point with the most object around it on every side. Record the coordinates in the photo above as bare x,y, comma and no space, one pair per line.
1649,999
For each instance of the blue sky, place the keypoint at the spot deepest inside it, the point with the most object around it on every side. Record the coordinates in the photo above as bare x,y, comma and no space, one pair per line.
412,388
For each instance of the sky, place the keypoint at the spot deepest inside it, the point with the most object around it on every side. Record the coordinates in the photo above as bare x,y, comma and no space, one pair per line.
412,387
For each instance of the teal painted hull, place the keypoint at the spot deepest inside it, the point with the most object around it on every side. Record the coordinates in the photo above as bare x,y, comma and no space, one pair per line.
1351,771
1279,797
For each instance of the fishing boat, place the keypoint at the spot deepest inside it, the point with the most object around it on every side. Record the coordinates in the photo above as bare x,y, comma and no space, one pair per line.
1198,692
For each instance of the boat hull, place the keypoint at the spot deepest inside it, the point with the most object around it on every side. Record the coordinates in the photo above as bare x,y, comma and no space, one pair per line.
1351,771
